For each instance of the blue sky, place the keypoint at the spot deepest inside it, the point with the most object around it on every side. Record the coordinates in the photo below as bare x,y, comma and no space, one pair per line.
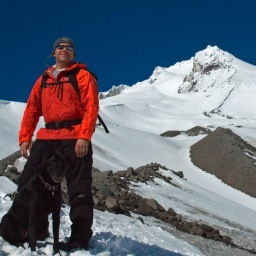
122,41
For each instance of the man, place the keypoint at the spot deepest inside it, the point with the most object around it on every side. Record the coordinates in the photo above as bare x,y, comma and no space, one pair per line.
70,119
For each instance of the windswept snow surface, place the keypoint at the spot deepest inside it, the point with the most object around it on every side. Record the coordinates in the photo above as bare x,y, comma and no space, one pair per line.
135,119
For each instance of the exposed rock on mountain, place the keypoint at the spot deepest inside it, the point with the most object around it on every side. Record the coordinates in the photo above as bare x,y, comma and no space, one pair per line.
115,90
228,157
208,66
7,167
159,71
191,132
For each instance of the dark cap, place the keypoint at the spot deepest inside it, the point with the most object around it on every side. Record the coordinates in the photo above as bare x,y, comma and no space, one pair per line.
63,39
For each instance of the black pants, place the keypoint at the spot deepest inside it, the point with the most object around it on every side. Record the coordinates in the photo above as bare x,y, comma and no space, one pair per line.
79,183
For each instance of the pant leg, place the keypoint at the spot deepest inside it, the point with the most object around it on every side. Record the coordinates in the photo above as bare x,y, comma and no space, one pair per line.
34,162
79,183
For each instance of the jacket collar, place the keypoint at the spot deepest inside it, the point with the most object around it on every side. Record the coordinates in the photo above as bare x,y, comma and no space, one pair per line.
72,66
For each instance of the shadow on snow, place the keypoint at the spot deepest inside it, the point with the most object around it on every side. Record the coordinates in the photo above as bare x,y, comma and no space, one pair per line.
122,246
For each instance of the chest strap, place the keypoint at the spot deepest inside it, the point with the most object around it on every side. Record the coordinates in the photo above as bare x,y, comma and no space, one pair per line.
62,124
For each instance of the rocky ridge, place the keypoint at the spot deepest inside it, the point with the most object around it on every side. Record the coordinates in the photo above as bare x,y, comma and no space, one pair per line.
115,90
206,64
228,157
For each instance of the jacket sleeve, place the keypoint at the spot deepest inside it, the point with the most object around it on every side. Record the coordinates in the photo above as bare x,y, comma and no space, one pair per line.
90,103
32,113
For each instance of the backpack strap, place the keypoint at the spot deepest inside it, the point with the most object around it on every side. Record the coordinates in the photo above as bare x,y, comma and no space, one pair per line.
43,82
72,79
45,85
103,124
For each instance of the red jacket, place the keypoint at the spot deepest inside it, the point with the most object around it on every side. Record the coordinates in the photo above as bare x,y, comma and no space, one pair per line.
62,103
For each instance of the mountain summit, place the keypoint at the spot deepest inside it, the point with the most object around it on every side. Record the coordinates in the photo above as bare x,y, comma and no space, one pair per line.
216,73
210,66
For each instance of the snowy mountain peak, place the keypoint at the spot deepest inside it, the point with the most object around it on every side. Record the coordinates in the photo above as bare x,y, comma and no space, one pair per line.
211,67
213,77
210,59
213,56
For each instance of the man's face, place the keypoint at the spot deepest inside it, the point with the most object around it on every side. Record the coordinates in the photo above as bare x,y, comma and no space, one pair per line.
64,53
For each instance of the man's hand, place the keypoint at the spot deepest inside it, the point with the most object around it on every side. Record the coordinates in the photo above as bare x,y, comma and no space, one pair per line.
25,149
81,148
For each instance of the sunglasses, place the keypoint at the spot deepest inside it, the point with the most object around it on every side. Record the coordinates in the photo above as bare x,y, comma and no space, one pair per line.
68,47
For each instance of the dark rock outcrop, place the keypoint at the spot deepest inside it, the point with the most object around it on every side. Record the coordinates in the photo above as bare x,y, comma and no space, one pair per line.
7,169
8,161
195,131
228,157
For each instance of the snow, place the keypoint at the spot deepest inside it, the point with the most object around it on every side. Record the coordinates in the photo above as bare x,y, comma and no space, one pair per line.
135,119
